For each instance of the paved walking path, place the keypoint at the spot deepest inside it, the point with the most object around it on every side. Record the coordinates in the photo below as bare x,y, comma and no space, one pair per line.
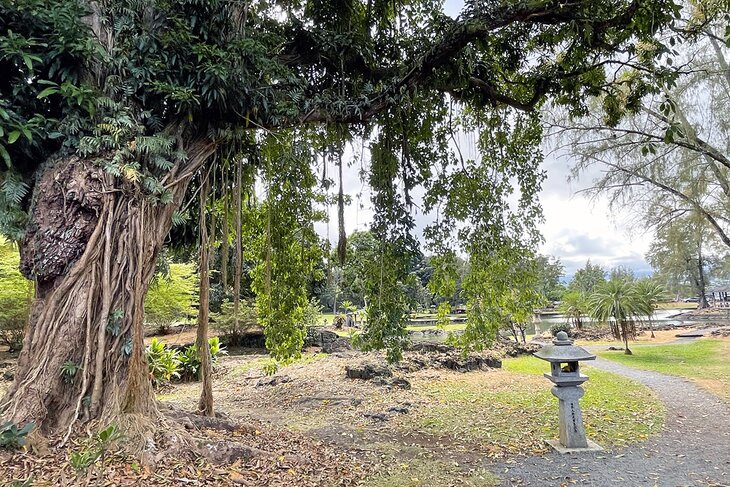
693,448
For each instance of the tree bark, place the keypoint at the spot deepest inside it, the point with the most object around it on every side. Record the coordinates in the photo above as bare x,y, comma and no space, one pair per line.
239,245
701,283
205,405
625,333
224,238
90,246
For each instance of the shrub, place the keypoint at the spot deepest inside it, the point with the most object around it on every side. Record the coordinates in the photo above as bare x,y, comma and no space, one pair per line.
171,299
558,327
312,313
16,295
190,359
94,449
189,364
164,363
231,329
339,321
69,369
12,437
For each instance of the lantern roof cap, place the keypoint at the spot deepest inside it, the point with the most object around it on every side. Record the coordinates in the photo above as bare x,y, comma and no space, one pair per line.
563,350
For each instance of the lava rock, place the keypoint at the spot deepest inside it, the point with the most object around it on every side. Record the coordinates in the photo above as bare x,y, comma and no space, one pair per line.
402,409
339,345
367,371
398,382
274,380
382,417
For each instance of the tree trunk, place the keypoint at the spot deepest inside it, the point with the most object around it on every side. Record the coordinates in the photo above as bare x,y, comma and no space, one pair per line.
625,333
205,405
91,246
224,238
239,245
701,299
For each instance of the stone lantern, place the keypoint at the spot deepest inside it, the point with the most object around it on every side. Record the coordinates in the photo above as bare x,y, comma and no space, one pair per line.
565,360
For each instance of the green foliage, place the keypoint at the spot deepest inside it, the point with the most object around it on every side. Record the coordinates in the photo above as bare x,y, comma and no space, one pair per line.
620,303
361,246
312,313
549,272
443,310
684,255
501,292
216,349
285,244
172,299
69,369
574,306
232,326
190,359
271,367
171,76
586,279
12,437
164,363
94,449
339,321
189,364
558,327
80,460
16,294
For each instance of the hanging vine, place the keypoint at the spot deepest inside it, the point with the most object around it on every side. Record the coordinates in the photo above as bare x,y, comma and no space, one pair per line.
284,244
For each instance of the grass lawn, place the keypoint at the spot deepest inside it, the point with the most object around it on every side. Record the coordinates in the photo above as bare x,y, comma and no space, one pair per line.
449,327
429,472
705,361
512,411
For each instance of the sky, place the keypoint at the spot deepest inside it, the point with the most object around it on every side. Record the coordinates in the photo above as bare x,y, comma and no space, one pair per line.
576,227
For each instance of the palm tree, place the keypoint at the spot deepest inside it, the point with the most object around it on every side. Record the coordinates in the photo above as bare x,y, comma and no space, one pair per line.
650,293
618,303
574,307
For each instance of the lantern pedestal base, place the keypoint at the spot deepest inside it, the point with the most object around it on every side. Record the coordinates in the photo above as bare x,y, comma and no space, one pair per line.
592,447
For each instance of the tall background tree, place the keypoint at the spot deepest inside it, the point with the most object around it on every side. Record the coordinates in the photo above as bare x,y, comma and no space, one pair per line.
687,255
109,109
661,139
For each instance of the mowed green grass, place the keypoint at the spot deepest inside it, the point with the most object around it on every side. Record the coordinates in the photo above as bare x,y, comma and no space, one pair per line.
512,411
707,361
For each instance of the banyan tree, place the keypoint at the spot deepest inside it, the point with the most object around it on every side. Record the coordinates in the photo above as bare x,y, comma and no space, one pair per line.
113,111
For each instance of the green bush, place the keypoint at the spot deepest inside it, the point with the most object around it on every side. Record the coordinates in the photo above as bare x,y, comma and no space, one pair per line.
233,330
12,437
171,299
163,362
558,327
189,364
339,321
95,449
190,359
16,295
166,364
312,313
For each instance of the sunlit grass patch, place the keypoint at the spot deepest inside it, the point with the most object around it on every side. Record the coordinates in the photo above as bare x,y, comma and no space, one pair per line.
706,361
513,410
430,473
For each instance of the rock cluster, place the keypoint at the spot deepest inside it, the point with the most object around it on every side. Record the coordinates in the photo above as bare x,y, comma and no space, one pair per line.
425,355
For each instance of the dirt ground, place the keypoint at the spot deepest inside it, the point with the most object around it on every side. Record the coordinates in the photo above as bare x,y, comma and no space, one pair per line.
421,436
400,436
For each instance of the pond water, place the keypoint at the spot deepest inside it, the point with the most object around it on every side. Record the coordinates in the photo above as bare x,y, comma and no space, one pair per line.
541,323
662,317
